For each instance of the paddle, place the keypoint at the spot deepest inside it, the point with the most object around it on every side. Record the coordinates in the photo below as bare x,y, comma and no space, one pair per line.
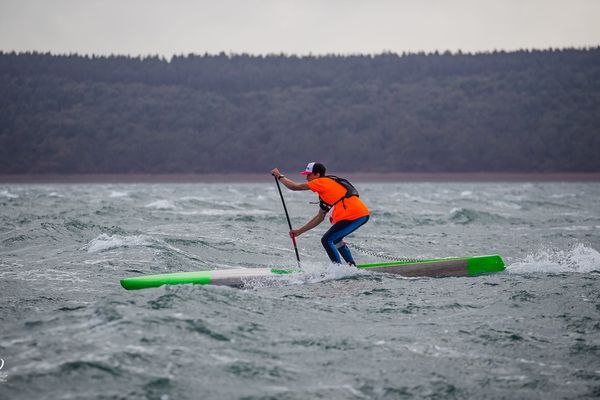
288,220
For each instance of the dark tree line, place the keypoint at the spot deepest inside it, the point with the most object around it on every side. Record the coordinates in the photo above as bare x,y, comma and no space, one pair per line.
520,111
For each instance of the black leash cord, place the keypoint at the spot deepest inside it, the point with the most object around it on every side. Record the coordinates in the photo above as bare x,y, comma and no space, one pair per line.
380,255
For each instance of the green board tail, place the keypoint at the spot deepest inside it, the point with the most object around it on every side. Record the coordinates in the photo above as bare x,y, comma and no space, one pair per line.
441,267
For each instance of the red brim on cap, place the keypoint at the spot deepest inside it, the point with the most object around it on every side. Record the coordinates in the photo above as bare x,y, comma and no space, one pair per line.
304,173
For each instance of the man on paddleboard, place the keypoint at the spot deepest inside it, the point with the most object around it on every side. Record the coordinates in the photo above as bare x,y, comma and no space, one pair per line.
336,196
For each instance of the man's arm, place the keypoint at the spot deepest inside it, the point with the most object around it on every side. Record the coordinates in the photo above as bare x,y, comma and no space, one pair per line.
315,221
287,182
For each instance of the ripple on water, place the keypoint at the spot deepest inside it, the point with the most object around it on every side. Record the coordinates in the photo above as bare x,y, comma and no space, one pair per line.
465,216
254,370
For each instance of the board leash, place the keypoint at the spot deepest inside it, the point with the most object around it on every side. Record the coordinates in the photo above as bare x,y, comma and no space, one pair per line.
370,252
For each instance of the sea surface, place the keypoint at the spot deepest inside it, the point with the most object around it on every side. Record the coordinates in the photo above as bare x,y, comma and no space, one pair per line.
69,331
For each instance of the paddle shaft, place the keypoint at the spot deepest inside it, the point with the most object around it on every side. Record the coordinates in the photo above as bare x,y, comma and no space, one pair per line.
288,220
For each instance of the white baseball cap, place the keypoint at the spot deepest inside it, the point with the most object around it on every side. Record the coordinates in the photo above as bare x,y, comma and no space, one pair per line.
309,169
314,167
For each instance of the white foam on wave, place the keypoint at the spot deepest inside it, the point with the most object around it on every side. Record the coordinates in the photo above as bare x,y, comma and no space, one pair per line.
563,195
106,242
116,194
8,195
313,272
234,212
572,228
417,199
503,204
161,205
579,259
197,198
456,210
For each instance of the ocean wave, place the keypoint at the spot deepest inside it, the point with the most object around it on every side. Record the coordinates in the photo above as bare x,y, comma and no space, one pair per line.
116,194
233,212
8,195
537,204
106,242
199,206
563,195
312,272
205,203
417,199
573,228
579,259
506,205
466,216
325,271
161,205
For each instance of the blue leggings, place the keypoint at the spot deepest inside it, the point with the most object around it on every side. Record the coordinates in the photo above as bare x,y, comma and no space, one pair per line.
332,239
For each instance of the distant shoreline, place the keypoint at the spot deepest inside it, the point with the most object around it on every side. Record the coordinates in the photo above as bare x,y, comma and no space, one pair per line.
252,178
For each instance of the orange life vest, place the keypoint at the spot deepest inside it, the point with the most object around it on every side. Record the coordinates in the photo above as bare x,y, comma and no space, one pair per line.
334,194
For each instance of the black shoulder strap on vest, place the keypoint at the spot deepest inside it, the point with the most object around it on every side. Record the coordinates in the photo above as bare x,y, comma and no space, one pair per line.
350,191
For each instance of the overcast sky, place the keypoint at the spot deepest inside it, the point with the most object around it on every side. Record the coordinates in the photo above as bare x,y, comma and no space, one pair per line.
168,27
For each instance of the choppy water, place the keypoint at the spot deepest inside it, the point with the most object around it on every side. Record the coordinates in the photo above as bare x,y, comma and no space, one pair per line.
68,330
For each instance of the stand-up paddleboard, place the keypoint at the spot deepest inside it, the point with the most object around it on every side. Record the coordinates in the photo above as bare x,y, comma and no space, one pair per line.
438,267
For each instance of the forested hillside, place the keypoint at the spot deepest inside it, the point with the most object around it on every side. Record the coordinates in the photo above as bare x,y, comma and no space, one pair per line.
514,112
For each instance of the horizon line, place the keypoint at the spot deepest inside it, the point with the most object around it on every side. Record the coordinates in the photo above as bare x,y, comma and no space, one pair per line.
231,54
257,177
